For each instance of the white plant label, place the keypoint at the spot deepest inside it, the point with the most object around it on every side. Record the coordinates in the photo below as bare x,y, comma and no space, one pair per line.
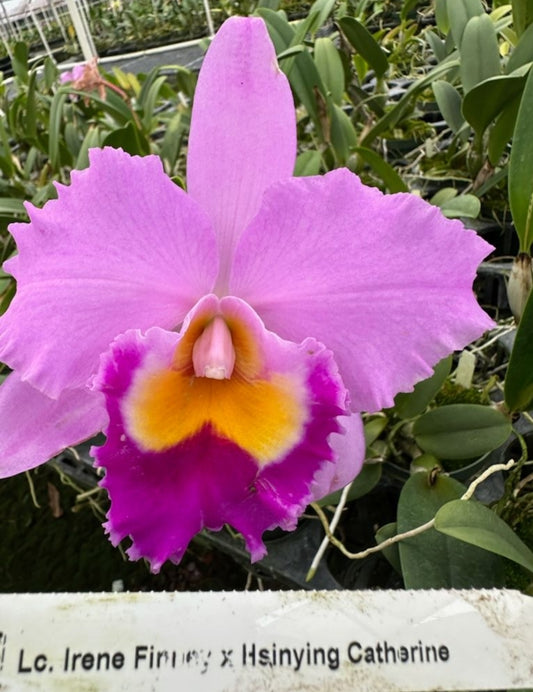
281,641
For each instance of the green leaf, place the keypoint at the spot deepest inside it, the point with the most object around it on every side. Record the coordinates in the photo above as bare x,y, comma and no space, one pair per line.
424,464
523,51
416,402
519,378
459,12
130,139
373,429
329,66
396,112
342,133
460,206
432,560
7,296
10,206
480,55
19,61
477,525
392,553
449,102
15,116
522,15
43,194
72,138
493,181
123,79
31,107
300,70
128,81
317,15
174,133
501,132
461,431
6,158
298,35
54,132
441,16
367,479
408,6
392,180
365,44
521,170
290,52
280,31
113,104
436,44
50,73
148,99
308,163
483,103
185,80
93,138
443,195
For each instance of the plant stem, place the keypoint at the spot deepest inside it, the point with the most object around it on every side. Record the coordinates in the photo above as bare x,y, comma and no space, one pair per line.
330,528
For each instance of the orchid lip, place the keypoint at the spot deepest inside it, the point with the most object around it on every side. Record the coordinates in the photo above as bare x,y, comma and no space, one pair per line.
243,451
213,352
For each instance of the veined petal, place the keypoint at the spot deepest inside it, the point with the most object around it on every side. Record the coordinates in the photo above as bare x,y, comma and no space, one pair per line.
186,452
123,247
35,428
385,281
243,131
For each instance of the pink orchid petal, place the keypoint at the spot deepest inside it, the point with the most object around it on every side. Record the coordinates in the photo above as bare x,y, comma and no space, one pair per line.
36,428
72,75
349,449
161,499
385,281
123,247
243,132
66,77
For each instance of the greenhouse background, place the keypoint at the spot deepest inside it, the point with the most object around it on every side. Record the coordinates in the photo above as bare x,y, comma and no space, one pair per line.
63,28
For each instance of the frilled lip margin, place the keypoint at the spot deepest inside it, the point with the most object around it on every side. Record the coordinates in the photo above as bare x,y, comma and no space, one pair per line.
185,453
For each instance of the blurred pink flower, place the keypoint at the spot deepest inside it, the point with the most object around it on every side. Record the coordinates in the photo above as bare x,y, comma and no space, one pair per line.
86,78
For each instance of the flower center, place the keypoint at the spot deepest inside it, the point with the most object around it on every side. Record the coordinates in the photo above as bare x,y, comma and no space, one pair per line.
225,379
213,354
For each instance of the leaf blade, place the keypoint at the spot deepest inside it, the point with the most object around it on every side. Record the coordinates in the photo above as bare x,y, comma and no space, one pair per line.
461,431
518,390
365,44
432,559
521,169
473,523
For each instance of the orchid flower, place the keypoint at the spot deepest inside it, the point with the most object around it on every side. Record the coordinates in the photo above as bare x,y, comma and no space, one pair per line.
85,77
225,339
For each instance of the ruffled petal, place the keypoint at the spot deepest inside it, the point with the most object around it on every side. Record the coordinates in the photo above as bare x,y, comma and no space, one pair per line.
385,281
243,132
184,453
36,428
123,247
349,449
